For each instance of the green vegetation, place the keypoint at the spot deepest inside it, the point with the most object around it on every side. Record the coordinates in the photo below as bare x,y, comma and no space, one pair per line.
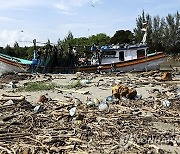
122,36
163,33
74,84
37,86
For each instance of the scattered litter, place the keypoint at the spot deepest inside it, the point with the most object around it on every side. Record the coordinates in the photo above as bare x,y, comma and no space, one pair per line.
166,103
96,101
11,85
84,82
9,102
138,97
77,102
72,111
110,99
167,76
101,123
43,99
5,97
90,103
38,108
119,91
103,106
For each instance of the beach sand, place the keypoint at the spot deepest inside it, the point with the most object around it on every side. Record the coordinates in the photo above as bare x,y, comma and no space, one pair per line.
140,119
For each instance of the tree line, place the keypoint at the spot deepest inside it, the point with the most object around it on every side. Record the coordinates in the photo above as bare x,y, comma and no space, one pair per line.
163,34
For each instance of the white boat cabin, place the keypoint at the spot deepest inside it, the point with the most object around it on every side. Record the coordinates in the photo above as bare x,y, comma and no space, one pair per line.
114,54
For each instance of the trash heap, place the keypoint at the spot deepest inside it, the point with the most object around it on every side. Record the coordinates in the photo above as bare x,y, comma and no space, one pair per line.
122,122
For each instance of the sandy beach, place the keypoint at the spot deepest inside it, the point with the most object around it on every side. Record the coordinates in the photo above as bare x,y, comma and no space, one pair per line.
148,123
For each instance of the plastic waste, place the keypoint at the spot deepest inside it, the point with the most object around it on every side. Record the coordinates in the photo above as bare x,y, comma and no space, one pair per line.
77,102
90,103
38,108
110,99
166,103
11,85
78,122
9,102
84,82
103,106
72,111
96,101
138,97
78,74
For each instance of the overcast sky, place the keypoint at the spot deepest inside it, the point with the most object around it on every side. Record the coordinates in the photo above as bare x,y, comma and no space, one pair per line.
24,20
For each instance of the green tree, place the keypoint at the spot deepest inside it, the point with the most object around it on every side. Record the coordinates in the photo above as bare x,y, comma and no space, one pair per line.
171,37
29,53
121,37
82,44
9,51
99,39
162,33
157,34
69,36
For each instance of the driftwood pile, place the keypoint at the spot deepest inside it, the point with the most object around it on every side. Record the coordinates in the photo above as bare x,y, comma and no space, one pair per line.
128,126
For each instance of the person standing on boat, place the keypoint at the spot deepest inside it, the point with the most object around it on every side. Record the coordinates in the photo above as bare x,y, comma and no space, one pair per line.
99,55
34,63
38,56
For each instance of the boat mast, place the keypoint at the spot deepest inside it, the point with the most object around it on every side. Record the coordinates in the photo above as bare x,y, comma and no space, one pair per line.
144,42
34,41
34,54
145,34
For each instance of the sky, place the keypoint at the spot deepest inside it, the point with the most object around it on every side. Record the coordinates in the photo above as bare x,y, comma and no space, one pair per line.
25,20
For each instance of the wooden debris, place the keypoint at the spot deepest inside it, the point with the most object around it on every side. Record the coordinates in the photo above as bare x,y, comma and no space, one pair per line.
119,91
126,127
73,91
58,149
43,99
167,76
5,97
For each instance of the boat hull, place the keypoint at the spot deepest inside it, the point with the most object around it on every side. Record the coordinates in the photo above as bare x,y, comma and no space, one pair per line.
143,64
7,66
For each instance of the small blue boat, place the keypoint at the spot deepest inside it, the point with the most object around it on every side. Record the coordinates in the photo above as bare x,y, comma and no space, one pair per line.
12,64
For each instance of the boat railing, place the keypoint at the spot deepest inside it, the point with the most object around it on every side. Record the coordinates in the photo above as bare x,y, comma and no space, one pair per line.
9,57
151,54
23,61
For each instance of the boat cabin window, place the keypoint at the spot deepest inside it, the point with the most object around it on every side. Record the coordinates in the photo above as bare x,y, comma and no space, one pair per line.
109,53
141,53
121,56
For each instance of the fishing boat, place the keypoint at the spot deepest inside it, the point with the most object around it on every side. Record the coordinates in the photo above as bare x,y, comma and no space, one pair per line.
126,60
121,63
121,58
114,58
10,64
